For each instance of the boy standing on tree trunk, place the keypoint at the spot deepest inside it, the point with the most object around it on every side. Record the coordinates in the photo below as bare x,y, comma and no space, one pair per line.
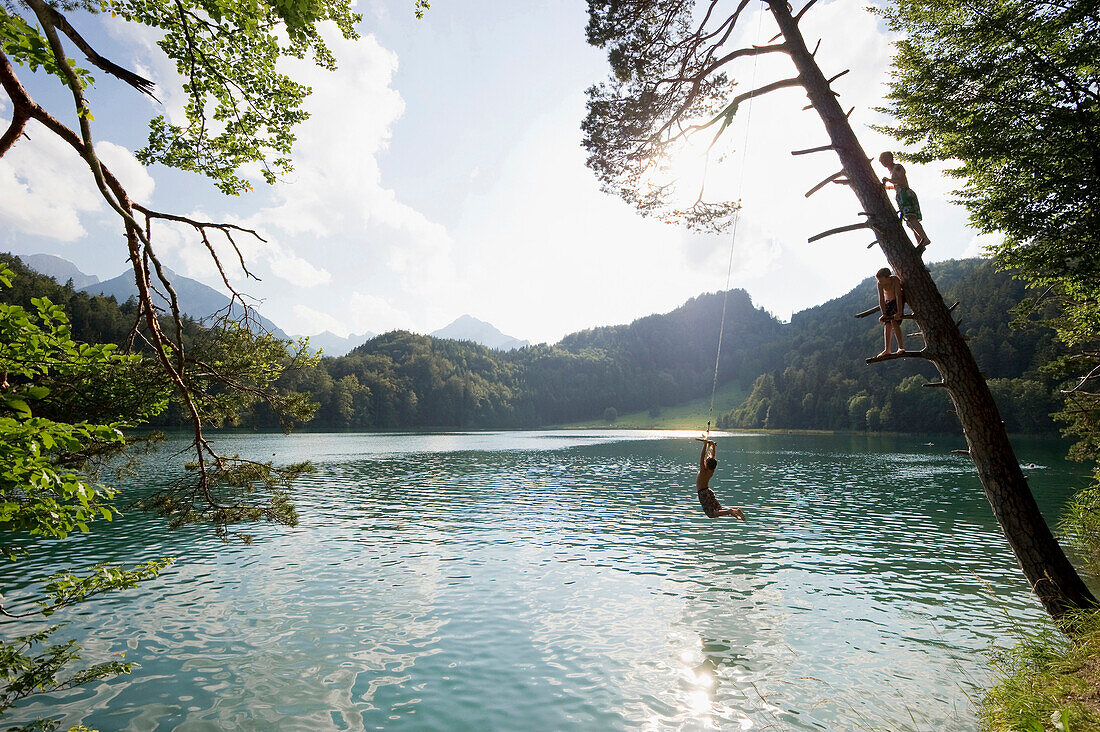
906,197
891,301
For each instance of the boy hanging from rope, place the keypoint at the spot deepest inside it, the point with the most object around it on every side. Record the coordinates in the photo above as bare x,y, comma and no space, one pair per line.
906,197
707,464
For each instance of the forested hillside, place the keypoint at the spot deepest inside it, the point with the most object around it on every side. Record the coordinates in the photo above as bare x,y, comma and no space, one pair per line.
94,318
824,383
404,380
809,374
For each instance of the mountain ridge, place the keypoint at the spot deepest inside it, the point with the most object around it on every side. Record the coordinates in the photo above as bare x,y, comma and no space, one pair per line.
61,269
468,328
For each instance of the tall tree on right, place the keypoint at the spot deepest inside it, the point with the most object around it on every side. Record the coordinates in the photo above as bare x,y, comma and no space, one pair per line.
671,61
1009,91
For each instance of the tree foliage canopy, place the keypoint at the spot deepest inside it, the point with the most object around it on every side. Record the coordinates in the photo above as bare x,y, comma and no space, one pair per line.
240,114
669,83
241,109
1011,90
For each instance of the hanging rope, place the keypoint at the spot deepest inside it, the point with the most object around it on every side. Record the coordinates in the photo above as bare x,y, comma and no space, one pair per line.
733,233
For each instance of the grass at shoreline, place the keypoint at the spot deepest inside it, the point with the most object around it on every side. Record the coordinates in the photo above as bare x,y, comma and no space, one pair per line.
1048,682
692,415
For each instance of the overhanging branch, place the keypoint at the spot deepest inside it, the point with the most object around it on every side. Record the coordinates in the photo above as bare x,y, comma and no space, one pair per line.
137,81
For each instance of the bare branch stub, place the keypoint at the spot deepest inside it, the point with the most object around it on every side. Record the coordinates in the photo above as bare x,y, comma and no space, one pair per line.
201,227
834,78
934,384
871,311
867,312
922,354
15,130
803,11
827,181
838,230
807,151
1093,374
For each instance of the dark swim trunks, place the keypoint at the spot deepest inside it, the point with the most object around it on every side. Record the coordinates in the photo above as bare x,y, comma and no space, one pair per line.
908,205
709,501
890,308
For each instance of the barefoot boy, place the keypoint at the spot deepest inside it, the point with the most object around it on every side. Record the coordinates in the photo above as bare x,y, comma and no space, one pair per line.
906,198
707,464
891,301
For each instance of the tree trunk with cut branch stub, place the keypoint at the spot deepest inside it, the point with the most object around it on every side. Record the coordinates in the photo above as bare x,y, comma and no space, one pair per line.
1052,577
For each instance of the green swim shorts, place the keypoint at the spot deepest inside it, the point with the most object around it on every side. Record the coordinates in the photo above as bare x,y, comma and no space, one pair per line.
908,203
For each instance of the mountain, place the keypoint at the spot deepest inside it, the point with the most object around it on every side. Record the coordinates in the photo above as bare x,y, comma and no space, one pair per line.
195,299
333,345
62,270
469,328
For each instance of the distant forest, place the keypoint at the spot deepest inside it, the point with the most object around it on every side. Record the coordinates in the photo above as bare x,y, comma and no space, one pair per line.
808,374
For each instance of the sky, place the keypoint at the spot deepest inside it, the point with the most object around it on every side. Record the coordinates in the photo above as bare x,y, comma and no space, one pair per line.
441,173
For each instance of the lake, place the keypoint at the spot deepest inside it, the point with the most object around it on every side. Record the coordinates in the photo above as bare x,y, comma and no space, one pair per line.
566,580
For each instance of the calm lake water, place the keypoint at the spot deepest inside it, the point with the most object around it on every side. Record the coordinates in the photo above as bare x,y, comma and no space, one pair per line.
566,580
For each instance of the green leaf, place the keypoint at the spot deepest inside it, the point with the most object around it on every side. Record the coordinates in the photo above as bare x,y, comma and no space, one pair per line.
16,405
35,392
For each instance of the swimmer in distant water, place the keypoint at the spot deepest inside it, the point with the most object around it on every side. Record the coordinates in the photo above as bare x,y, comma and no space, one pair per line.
707,464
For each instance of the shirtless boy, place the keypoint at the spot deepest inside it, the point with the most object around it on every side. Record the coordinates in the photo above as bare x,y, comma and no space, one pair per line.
906,198
891,301
707,464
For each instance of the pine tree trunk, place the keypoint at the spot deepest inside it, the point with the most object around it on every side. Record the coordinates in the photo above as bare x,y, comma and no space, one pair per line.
1050,573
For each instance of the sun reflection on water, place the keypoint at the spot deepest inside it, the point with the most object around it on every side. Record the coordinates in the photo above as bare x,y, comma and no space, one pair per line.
534,580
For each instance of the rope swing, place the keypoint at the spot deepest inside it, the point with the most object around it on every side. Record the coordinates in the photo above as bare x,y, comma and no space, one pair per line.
733,234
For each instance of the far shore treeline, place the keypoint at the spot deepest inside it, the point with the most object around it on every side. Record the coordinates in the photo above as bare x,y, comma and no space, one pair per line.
808,374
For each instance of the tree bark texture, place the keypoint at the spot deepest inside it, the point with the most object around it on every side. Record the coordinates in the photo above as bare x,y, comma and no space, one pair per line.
1052,577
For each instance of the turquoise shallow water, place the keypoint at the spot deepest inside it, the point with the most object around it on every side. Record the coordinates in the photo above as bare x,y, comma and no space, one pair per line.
564,580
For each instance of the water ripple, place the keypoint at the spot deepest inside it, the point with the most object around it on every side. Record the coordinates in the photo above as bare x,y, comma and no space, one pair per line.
564,580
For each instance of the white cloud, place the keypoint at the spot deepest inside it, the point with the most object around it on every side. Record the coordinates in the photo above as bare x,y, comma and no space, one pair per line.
366,312
314,321
335,193
131,174
153,64
295,269
46,187
530,244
